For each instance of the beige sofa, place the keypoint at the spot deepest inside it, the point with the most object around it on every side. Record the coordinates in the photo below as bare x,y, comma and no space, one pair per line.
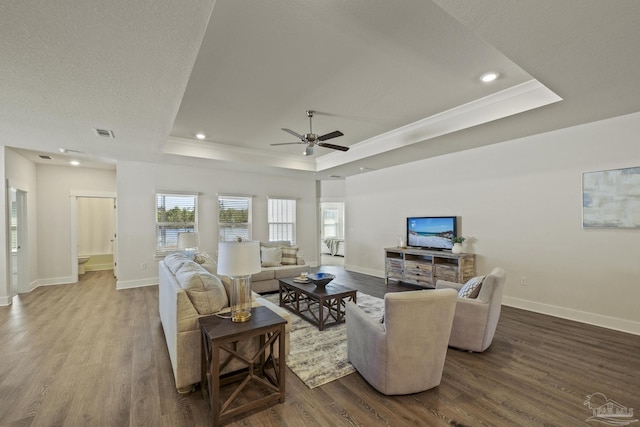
280,260
187,291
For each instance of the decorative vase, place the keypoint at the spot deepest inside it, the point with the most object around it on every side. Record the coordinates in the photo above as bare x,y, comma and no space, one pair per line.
457,248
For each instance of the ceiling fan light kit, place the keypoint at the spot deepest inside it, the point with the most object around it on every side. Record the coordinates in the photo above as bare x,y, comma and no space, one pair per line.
312,139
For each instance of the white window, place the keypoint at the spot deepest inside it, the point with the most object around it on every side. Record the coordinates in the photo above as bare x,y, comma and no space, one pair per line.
282,219
175,213
234,218
332,217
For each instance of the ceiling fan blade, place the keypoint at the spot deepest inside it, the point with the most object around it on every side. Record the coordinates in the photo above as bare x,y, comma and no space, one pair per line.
334,134
296,134
333,146
289,143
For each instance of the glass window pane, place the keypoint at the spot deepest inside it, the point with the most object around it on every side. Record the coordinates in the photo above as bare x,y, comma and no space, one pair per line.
175,213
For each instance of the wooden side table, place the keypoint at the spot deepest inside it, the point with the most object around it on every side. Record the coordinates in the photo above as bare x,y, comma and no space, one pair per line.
223,334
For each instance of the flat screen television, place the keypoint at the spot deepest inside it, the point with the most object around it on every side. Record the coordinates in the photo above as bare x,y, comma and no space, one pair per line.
431,232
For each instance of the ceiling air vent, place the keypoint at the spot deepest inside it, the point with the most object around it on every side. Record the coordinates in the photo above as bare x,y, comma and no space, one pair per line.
44,157
105,133
335,176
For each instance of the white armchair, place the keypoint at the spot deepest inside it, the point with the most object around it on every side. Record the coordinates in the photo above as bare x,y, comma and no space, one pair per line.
476,319
406,353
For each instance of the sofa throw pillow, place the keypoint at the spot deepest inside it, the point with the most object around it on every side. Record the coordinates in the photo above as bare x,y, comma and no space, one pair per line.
208,263
271,257
206,292
290,256
471,289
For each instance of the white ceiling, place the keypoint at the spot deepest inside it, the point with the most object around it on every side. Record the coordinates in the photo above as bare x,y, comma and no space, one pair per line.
399,79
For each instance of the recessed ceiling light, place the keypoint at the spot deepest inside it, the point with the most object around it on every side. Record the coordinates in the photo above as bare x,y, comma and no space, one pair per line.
67,151
489,77
201,135
74,163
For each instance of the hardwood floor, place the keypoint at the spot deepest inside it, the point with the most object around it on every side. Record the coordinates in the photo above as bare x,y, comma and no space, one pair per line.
88,355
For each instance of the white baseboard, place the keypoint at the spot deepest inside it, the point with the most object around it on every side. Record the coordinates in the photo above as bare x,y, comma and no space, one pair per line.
99,267
608,322
51,281
361,270
5,301
139,283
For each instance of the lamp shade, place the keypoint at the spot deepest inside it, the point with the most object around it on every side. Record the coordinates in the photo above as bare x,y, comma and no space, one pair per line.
238,258
188,240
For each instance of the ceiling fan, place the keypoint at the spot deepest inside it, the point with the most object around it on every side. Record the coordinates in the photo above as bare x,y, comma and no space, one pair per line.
311,139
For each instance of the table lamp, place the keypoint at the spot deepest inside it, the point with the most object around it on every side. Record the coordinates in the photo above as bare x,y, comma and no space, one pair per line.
239,260
188,242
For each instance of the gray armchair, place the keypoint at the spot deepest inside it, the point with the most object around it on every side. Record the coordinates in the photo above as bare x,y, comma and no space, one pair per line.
406,353
475,321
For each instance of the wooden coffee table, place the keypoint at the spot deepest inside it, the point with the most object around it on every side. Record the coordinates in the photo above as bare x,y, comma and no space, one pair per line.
322,306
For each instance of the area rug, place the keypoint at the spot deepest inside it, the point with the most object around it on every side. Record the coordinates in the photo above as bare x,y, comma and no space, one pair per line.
319,357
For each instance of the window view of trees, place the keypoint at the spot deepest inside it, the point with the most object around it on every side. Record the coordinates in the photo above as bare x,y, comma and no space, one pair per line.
234,218
230,214
176,214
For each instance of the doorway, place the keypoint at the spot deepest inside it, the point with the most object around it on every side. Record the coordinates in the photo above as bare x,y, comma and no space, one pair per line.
332,243
93,232
18,241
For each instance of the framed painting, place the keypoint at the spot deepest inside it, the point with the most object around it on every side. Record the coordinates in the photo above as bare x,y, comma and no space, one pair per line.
611,198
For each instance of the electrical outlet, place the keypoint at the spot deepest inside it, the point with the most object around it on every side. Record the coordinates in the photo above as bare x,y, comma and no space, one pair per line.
523,281
143,266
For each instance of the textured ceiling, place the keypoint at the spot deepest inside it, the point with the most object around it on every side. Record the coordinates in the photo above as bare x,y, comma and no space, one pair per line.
157,72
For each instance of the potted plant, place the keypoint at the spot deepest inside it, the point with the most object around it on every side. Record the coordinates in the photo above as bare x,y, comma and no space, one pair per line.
457,244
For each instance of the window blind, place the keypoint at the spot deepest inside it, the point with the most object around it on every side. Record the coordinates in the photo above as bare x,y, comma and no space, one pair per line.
175,213
281,217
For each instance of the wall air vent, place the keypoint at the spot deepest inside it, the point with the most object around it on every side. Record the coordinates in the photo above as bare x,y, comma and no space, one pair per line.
105,133
335,176
44,157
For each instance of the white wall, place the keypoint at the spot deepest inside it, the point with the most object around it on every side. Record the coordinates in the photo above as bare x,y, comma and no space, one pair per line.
54,186
332,190
520,207
138,183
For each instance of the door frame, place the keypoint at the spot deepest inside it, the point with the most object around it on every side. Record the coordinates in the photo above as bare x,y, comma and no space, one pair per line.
22,255
73,198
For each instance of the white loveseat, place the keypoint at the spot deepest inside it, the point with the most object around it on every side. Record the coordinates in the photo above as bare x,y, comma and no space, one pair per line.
187,291
280,260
